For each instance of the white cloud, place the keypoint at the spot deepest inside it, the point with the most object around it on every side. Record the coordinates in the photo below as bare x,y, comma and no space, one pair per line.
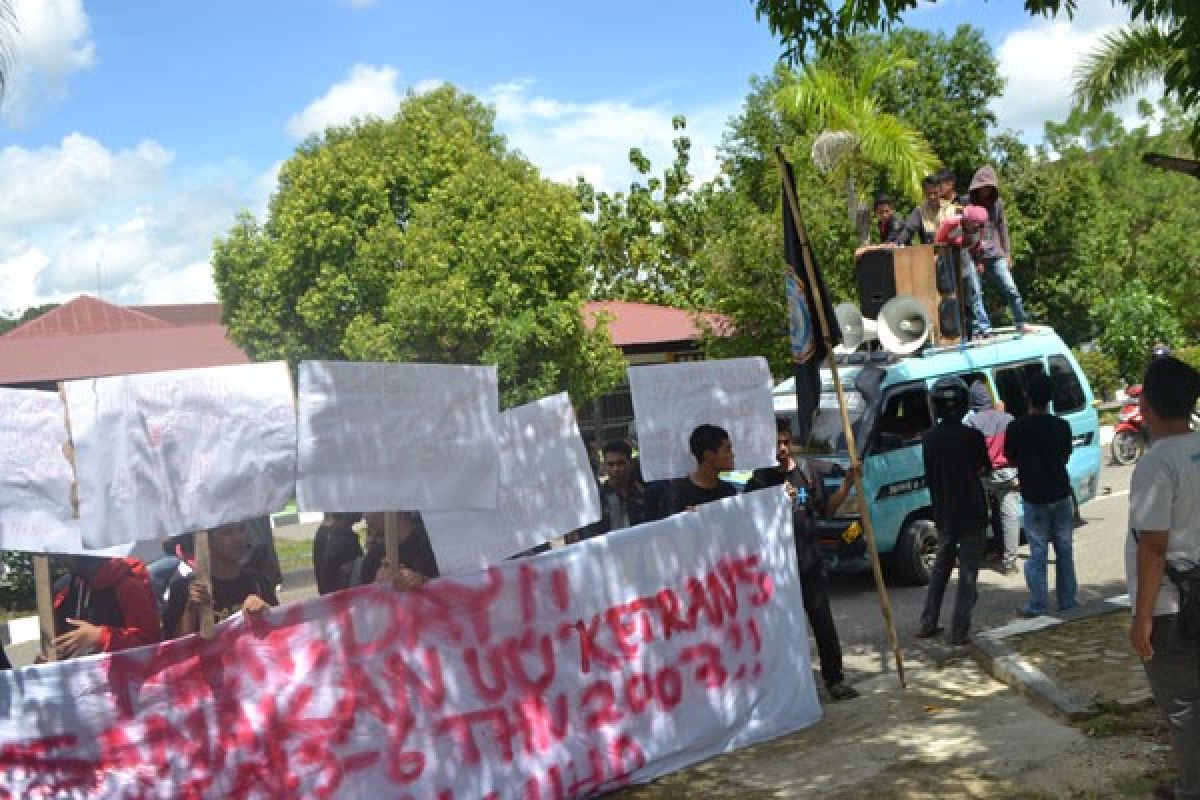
567,139
82,218
366,91
1039,59
52,41
57,184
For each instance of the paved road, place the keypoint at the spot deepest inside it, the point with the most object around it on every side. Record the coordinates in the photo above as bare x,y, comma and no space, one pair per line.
1099,564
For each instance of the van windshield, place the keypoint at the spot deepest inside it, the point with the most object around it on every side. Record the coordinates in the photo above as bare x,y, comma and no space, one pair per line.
827,423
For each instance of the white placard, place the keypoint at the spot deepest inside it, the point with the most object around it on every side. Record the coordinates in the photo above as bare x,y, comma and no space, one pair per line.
396,437
165,453
670,400
565,675
547,488
35,475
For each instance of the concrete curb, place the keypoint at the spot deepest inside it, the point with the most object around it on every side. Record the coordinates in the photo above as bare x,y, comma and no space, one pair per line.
991,649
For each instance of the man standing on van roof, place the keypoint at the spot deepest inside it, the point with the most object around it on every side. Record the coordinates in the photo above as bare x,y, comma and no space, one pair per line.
1000,482
992,254
955,458
1039,443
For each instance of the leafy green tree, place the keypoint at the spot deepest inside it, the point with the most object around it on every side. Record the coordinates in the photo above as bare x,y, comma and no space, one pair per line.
1133,321
644,240
742,256
948,96
857,137
807,28
419,238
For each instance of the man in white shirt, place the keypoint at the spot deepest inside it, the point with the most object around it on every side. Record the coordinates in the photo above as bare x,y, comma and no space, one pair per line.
1164,526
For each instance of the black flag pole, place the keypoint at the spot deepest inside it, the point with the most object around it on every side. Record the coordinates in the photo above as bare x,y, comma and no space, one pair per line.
818,302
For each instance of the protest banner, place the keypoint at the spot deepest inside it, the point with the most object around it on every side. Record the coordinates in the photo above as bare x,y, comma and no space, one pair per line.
547,488
560,676
396,437
670,400
164,453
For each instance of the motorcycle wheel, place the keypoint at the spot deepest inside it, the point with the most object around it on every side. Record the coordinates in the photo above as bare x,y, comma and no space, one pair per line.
1126,448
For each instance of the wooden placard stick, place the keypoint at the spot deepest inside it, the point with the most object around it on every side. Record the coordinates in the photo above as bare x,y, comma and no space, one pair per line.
45,605
391,538
42,590
204,574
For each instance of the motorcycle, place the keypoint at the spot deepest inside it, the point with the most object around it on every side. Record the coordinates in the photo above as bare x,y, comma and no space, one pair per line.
1131,436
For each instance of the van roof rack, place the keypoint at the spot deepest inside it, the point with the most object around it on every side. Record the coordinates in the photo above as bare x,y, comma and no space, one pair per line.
997,335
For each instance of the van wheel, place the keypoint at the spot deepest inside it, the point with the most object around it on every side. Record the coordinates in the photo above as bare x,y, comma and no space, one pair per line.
916,548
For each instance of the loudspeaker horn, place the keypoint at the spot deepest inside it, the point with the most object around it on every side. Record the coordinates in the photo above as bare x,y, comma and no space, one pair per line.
904,325
856,329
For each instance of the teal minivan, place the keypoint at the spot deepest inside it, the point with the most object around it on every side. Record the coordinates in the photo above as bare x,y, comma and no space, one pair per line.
887,397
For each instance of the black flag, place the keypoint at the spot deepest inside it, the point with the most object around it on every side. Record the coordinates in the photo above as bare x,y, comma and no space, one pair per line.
804,297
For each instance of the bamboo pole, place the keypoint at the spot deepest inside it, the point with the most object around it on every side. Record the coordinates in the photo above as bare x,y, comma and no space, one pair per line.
847,430
204,574
45,606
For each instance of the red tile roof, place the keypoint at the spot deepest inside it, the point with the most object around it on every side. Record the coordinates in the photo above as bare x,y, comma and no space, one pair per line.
645,323
184,313
30,359
86,315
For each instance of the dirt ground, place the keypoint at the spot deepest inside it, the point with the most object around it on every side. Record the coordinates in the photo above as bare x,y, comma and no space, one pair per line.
954,733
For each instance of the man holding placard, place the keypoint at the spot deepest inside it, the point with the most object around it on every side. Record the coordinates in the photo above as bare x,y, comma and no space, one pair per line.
713,452
234,586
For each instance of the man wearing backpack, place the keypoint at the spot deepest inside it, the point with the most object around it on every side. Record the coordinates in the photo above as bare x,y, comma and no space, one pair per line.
1000,482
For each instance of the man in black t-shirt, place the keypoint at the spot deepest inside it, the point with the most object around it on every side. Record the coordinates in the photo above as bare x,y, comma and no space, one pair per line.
235,587
956,458
1039,444
713,452
809,501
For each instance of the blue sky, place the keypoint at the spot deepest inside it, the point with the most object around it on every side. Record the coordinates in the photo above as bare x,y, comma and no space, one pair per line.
132,132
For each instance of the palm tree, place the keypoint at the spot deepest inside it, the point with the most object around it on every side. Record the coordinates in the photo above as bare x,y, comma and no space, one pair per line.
1127,61
857,138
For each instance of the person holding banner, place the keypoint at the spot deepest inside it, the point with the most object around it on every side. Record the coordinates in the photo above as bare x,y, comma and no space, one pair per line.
624,501
418,564
235,587
103,605
335,548
713,452
809,500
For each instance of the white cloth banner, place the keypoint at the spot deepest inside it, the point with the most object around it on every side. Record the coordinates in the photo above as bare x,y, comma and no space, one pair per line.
564,675
396,437
547,488
164,453
670,400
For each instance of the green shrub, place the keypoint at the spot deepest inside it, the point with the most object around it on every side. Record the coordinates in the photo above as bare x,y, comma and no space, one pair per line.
16,589
1132,322
1189,354
1101,371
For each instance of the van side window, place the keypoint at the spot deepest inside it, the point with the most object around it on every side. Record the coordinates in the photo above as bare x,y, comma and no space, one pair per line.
1011,381
1068,394
906,416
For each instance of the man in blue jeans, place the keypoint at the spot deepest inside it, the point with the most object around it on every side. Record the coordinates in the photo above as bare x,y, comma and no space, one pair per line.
991,254
1039,444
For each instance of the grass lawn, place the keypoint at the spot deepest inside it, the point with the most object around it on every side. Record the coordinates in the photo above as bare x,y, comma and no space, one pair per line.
293,554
